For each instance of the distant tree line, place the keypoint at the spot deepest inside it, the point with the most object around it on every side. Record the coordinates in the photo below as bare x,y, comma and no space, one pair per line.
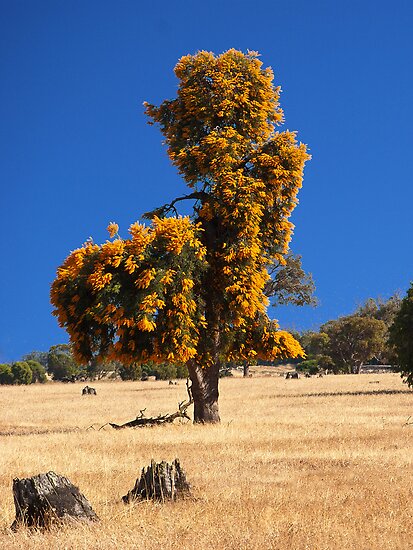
345,344
60,364
22,372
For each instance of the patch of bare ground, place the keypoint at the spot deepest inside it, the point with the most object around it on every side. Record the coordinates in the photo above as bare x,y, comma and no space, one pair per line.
295,464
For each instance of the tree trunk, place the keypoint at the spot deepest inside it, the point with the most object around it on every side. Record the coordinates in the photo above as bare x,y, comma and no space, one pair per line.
205,393
246,370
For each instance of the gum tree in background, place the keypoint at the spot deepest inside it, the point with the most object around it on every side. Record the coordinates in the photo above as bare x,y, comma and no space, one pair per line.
191,290
353,340
401,337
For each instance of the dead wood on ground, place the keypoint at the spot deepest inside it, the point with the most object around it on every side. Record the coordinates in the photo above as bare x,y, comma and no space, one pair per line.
141,421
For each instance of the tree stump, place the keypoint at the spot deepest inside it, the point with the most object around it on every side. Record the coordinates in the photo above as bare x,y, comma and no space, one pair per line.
48,498
160,481
87,390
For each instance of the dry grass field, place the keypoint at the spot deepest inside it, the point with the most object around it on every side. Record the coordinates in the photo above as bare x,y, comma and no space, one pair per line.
321,463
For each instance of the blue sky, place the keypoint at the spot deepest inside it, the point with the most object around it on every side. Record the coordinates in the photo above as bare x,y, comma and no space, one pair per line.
76,152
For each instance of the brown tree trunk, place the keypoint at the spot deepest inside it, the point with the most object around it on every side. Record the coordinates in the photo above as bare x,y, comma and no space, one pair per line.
357,368
205,393
246,370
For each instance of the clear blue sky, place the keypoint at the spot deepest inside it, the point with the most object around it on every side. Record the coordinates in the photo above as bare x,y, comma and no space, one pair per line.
76,152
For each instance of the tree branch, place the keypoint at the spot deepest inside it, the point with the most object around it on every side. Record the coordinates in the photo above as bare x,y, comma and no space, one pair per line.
162,211
141,421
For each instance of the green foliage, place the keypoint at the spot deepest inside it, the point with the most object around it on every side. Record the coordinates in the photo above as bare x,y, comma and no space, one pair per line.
344,344
22,373
130,372
401,337
60,362
38,371
308,365
6,375
38,356
386,311
290,284
314,343
162,371
353,340
325,362
181,371
383,310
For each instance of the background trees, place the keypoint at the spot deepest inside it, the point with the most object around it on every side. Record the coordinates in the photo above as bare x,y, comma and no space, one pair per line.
64,367
192,290
346,343
61,363
384,310
38,356
38,371
290,284
6,375
401,337
22,372
353,340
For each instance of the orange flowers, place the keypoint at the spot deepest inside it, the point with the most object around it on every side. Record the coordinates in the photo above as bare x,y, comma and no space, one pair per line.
112,228
119,300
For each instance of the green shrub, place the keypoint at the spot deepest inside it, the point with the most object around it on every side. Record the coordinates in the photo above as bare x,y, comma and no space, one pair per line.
6,375
182,371
163,371
130,372
38,371
22,373
309,365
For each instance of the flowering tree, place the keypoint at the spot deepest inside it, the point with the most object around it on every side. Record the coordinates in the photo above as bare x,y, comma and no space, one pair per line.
192,289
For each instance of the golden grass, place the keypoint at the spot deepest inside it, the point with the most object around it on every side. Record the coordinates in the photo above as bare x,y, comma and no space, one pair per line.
311,464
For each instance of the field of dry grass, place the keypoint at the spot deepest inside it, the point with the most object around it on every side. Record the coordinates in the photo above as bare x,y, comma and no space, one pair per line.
317,464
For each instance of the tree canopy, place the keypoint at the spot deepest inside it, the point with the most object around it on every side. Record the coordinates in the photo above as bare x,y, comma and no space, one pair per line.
191,290
346,343
61,363
353,340
401,337
22,372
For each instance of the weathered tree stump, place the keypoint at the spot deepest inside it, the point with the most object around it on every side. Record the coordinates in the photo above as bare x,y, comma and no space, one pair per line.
160,481
87,390
45,499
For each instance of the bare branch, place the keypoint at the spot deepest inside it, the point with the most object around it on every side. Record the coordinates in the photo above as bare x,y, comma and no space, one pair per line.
162,211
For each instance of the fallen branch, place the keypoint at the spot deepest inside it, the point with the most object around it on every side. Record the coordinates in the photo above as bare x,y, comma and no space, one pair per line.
141,421
407,423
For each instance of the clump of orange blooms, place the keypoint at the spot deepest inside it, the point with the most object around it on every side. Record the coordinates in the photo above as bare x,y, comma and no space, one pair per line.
123,300
186,289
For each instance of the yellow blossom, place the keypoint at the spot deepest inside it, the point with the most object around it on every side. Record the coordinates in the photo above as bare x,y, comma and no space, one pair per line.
146,325
112,228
